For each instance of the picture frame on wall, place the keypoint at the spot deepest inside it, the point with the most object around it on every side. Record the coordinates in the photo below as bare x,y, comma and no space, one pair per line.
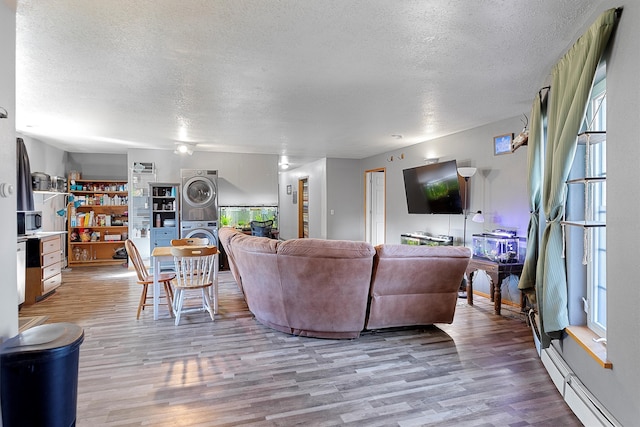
502,144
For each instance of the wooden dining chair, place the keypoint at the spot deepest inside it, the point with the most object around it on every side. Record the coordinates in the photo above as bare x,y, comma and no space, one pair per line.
146,279
191,241
195,268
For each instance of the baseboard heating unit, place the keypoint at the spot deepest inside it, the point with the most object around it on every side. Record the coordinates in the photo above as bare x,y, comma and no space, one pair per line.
583,404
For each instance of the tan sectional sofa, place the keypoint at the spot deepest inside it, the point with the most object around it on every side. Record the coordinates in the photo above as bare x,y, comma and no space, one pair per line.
338,288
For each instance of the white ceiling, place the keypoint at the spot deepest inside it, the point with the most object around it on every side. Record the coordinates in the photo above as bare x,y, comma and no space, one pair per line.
321,78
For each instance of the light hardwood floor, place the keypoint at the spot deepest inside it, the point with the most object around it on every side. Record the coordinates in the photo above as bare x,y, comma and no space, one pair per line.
481,370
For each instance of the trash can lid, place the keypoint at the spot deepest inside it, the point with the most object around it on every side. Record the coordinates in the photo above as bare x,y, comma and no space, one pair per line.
44,338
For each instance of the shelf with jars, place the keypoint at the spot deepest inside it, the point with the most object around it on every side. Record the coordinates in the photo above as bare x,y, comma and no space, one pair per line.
163,211
97,222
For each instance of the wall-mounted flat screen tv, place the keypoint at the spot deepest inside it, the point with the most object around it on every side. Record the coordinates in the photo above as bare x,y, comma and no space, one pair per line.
433,189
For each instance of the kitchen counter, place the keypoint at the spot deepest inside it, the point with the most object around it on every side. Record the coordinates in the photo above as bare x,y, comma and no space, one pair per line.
42,234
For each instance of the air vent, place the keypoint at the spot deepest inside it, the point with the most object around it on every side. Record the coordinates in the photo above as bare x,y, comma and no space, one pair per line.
143,167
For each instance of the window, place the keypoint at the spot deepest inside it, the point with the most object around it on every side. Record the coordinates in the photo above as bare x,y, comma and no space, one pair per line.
597,250
586,274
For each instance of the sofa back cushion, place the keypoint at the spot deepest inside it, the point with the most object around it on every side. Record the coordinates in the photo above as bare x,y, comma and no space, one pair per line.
255,258
226,235
415,285
325,284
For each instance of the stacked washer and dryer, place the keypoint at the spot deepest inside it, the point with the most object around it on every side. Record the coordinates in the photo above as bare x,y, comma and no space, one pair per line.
199,207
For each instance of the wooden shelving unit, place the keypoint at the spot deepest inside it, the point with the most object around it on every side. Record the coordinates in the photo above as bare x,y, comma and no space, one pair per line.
97,221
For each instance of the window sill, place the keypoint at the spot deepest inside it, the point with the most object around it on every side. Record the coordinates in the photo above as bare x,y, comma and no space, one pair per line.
584,337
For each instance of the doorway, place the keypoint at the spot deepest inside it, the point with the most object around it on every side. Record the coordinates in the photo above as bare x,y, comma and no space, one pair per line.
303,208
375,206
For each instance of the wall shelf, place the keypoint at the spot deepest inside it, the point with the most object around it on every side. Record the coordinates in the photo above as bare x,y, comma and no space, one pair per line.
105,204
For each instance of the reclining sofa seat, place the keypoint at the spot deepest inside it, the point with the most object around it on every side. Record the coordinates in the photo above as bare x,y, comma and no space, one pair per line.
415,285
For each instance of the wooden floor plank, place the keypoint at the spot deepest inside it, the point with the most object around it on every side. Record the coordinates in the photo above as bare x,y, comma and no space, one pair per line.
481,370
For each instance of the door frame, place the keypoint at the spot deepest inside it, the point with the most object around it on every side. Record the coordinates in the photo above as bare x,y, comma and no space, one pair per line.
301,222
367,201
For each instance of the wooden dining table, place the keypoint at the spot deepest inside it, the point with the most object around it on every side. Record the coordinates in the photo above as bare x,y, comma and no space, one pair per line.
163,253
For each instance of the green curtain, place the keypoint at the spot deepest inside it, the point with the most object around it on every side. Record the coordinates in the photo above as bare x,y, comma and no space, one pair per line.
534,167
572,79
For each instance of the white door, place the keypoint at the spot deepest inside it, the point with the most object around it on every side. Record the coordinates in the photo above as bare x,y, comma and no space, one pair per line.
375,207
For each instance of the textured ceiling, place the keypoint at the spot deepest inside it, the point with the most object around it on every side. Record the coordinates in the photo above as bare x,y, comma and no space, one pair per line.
322,78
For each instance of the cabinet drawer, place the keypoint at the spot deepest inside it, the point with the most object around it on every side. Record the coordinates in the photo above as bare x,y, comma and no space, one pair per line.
51,258
51,270
51,283
165,233
51,244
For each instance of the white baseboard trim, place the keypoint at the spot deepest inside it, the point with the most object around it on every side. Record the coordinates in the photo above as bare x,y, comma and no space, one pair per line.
583,404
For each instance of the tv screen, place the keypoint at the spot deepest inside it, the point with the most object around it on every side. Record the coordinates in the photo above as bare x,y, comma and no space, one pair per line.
433,189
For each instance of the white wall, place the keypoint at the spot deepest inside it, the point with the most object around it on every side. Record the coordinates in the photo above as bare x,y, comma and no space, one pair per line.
619,387
97,166
8,231
498,188
243,179
316,173
345,198
50,160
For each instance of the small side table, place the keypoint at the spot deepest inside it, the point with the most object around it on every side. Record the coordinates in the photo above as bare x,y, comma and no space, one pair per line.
497,271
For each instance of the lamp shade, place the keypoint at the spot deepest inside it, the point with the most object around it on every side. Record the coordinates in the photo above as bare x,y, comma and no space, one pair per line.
466,172
478,217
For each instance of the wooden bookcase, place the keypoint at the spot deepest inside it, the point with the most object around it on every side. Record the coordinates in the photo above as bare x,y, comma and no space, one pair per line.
97,221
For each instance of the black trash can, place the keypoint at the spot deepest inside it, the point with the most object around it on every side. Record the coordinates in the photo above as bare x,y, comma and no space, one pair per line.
39,376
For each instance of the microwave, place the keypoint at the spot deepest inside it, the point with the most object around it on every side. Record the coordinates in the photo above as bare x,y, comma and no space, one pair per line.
29,222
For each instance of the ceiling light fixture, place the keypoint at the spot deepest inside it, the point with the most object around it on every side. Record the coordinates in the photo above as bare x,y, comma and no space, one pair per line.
182,148
284,162
396,136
